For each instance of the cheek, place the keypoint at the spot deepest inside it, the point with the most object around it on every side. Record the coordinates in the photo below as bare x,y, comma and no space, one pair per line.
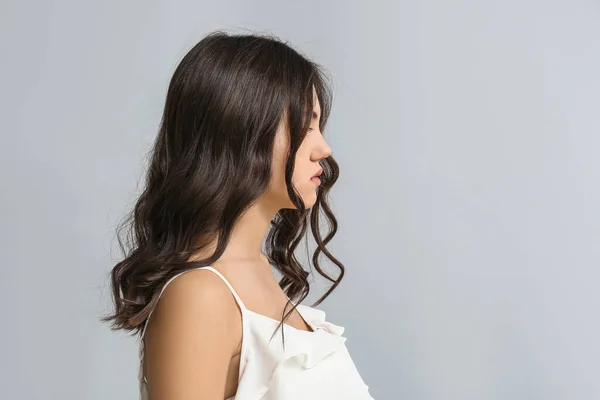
278,176
303,167
303,183
278,162
302,171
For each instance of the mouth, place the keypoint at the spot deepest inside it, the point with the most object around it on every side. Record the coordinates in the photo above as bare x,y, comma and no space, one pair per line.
315,179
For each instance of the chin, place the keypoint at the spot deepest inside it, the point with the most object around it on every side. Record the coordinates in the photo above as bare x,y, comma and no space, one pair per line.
310,200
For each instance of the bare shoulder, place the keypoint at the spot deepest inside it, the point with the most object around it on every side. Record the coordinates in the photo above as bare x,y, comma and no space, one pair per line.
193,332
193,299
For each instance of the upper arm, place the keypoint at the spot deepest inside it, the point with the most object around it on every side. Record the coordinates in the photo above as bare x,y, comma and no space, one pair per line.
191,337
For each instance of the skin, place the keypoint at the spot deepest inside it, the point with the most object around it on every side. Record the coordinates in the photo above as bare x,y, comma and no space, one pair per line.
193,340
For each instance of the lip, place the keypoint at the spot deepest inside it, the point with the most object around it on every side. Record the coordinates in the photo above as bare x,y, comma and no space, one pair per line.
318,173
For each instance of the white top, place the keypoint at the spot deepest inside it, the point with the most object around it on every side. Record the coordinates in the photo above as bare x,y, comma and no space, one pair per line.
314,365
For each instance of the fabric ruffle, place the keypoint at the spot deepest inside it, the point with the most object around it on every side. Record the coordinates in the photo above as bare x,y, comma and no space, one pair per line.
303,349
315,346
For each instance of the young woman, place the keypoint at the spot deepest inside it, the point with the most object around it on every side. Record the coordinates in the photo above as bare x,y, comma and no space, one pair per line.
238,172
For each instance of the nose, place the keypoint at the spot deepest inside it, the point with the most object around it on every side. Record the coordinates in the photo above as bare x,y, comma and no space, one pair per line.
327,152
324,149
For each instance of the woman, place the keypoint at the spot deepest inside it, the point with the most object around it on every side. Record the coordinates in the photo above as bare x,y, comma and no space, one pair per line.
239,161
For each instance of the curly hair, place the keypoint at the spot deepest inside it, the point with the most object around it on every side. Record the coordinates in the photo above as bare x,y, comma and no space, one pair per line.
211,160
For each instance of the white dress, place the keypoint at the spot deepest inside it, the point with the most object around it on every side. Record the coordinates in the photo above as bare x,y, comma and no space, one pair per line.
313,365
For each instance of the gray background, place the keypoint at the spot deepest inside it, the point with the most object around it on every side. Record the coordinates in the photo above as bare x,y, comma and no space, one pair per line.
467,134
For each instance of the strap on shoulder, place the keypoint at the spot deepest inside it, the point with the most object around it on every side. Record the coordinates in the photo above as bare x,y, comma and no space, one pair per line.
233,292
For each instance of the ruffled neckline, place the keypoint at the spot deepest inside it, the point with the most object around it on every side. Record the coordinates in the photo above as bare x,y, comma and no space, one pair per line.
303,349
307,347
315,318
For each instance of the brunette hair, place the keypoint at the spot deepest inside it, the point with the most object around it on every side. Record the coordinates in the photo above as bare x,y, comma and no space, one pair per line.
211,160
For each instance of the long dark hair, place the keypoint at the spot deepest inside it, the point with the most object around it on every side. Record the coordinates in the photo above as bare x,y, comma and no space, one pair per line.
212,160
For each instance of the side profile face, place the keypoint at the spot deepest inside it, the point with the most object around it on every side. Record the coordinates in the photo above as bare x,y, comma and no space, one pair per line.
313,149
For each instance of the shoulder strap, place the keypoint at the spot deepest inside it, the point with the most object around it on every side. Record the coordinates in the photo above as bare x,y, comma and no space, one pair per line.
233,292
